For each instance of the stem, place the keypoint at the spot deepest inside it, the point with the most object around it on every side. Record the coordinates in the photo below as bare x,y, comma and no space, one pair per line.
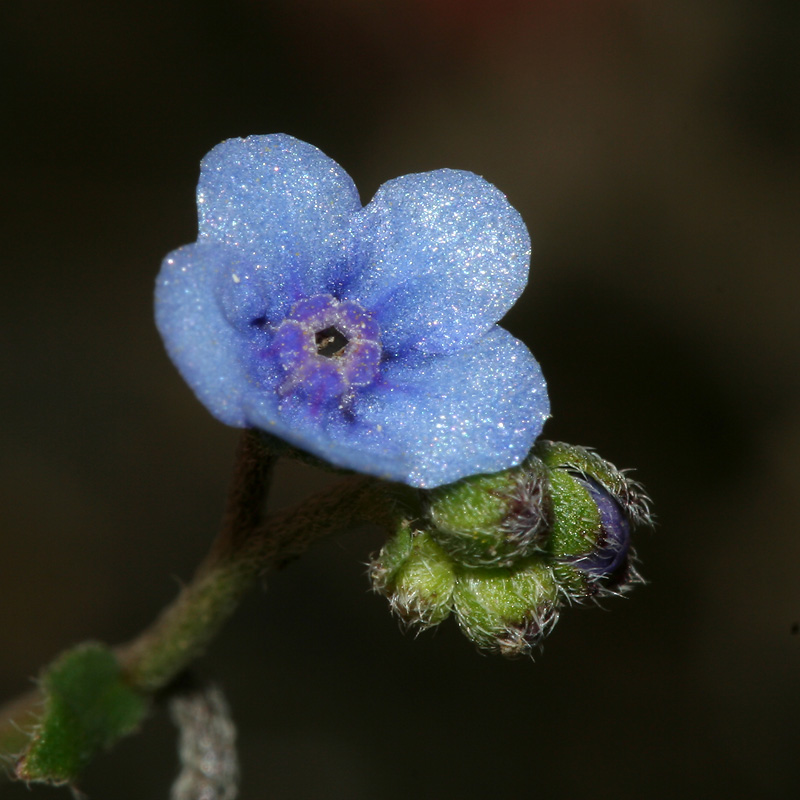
234,565
246,548
185,628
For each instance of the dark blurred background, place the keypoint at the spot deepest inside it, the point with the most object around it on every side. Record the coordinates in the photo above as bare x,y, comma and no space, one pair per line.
652,149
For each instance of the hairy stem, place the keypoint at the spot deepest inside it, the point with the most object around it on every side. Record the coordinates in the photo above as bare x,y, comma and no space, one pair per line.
185,628
247,547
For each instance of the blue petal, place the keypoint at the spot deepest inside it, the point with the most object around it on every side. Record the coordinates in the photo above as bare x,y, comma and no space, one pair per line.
452,416
329,434
429,423
281,201
443,256
200,340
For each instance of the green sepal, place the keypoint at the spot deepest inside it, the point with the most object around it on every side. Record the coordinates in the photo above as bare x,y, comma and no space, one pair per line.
384,569
87,707
575,584
583,461
507,611
492,520
473,504
417,576
559,455
575,526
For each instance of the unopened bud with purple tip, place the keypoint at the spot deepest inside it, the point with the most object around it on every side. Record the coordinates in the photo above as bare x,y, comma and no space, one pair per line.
505,551
595,509
613,545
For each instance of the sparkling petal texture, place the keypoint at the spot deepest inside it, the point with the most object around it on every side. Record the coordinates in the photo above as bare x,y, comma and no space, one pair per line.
198,337
462,414
447,256
364,336
282,202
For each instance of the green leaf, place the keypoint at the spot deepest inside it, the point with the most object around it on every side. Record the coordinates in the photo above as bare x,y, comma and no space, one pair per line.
88,706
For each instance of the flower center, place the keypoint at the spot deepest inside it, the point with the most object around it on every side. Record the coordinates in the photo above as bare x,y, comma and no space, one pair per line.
331,342
328,349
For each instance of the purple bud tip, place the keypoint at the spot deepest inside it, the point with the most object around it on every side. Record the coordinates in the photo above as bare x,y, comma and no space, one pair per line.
613,543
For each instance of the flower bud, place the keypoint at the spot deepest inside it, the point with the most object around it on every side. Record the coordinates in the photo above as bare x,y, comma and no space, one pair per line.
417,576
504,551
507,611
595,508
492,520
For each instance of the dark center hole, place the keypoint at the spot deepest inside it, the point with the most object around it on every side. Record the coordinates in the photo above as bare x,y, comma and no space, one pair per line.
330,342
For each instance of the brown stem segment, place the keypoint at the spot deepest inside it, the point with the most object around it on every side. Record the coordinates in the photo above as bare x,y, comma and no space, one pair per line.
246,548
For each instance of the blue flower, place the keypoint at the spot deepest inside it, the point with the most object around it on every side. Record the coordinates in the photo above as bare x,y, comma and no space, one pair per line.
363,335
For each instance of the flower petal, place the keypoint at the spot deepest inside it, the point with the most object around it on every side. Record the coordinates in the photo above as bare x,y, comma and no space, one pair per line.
430,423
443,256
328,434
453,416
279,200
425,388
198,336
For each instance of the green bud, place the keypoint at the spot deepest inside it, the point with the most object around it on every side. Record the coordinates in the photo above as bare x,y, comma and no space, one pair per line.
583,461
417,576
87,707
576,521
506,550
492,520
507,611
595,508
